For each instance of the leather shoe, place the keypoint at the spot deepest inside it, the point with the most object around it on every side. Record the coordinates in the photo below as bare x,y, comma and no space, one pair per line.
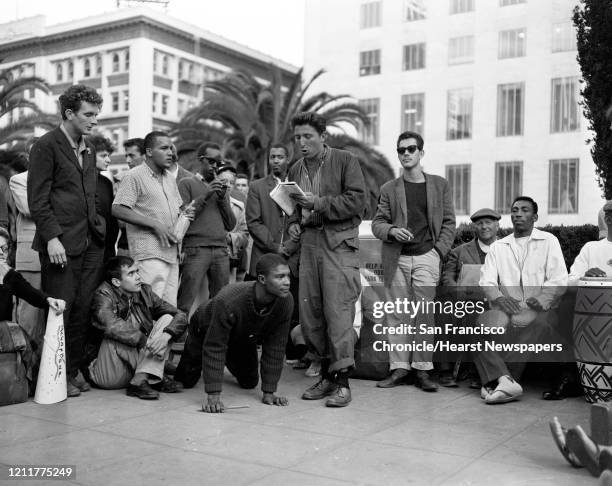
142,391
168,385
320,389
72,390
340,398
398,377
566,387
448,380
80,382
424,382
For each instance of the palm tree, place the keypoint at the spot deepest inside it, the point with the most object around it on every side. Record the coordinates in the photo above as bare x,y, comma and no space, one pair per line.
12,98
253,115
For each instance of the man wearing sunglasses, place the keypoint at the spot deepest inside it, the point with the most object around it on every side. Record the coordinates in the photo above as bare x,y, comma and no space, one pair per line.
204,246
415,219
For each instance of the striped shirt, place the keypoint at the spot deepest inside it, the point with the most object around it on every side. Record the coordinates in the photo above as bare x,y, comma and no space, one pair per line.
308,184
154,196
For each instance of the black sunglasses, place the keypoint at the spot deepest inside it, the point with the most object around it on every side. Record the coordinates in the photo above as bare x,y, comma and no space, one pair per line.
210,160
411,149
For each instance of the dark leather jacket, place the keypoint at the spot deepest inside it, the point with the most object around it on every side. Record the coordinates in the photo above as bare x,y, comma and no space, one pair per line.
129,318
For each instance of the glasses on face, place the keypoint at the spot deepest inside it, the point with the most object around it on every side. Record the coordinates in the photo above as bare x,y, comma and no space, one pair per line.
210,160
411,149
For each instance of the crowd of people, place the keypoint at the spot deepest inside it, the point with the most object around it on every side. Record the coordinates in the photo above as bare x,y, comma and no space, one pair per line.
208,259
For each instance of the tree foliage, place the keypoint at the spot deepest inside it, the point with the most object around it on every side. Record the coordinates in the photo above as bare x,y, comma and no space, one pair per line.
593,21
248,116
12,99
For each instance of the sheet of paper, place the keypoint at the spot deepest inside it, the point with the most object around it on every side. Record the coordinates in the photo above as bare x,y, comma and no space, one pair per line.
281,195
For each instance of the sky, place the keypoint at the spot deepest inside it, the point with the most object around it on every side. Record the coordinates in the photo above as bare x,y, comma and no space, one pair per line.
274,27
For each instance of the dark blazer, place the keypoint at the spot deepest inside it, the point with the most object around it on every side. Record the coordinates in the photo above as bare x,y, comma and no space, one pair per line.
267,223
104,192
466,254
342,200
392,212
62,195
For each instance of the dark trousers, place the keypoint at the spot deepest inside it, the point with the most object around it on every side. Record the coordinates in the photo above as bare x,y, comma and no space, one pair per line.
75,283
241,358
201,261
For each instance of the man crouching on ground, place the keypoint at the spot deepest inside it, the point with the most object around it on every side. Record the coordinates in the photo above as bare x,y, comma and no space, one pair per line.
226,330
138,326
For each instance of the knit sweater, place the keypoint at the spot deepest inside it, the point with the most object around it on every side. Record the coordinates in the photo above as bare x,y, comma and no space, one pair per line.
213,216
231,316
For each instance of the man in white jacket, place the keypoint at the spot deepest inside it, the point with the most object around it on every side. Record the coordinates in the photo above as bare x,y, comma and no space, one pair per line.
523,276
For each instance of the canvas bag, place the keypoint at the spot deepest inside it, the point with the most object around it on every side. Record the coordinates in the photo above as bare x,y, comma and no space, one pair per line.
14,349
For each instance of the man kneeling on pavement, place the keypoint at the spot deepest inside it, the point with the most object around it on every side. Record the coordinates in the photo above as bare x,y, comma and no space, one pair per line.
226,330
138,328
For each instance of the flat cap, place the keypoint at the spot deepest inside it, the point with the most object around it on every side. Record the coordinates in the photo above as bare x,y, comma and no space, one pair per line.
485,213
607,207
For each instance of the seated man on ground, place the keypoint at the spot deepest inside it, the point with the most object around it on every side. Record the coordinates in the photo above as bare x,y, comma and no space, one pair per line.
226,330
138,327
523,277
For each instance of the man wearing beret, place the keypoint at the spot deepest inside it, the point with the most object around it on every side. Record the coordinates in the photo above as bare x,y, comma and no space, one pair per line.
461,271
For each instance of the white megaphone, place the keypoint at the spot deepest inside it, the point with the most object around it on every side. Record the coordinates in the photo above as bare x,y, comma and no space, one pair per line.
51,385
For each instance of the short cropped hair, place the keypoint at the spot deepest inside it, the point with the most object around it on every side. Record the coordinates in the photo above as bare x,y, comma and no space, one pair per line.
113,266
534,204
100,143
151,138
316,121
207,145
417,136
73,98
269,262
279,146
242,175
134,142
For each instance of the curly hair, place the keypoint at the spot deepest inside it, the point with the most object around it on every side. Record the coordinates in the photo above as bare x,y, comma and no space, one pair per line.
316,121
101,143
73,98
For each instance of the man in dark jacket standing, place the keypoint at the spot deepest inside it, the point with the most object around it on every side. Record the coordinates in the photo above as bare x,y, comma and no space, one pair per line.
328,220
69,236
415,220
138,327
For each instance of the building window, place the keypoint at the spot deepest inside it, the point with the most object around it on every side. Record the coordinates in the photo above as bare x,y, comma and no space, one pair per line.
59,72
164,66
86,68
414,10
563,186
181,108
70,70
180,70
458,177
126,60
155,97
461,49
126,100
564,113
369,15
98,65
371,107
459,120
369,62
413,112
505,3
115,68
414,56
563,37
512,43
461,6
115,101
510,109
164,108
508,184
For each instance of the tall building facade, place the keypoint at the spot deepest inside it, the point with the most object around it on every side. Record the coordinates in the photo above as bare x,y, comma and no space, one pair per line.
492,85
149,68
